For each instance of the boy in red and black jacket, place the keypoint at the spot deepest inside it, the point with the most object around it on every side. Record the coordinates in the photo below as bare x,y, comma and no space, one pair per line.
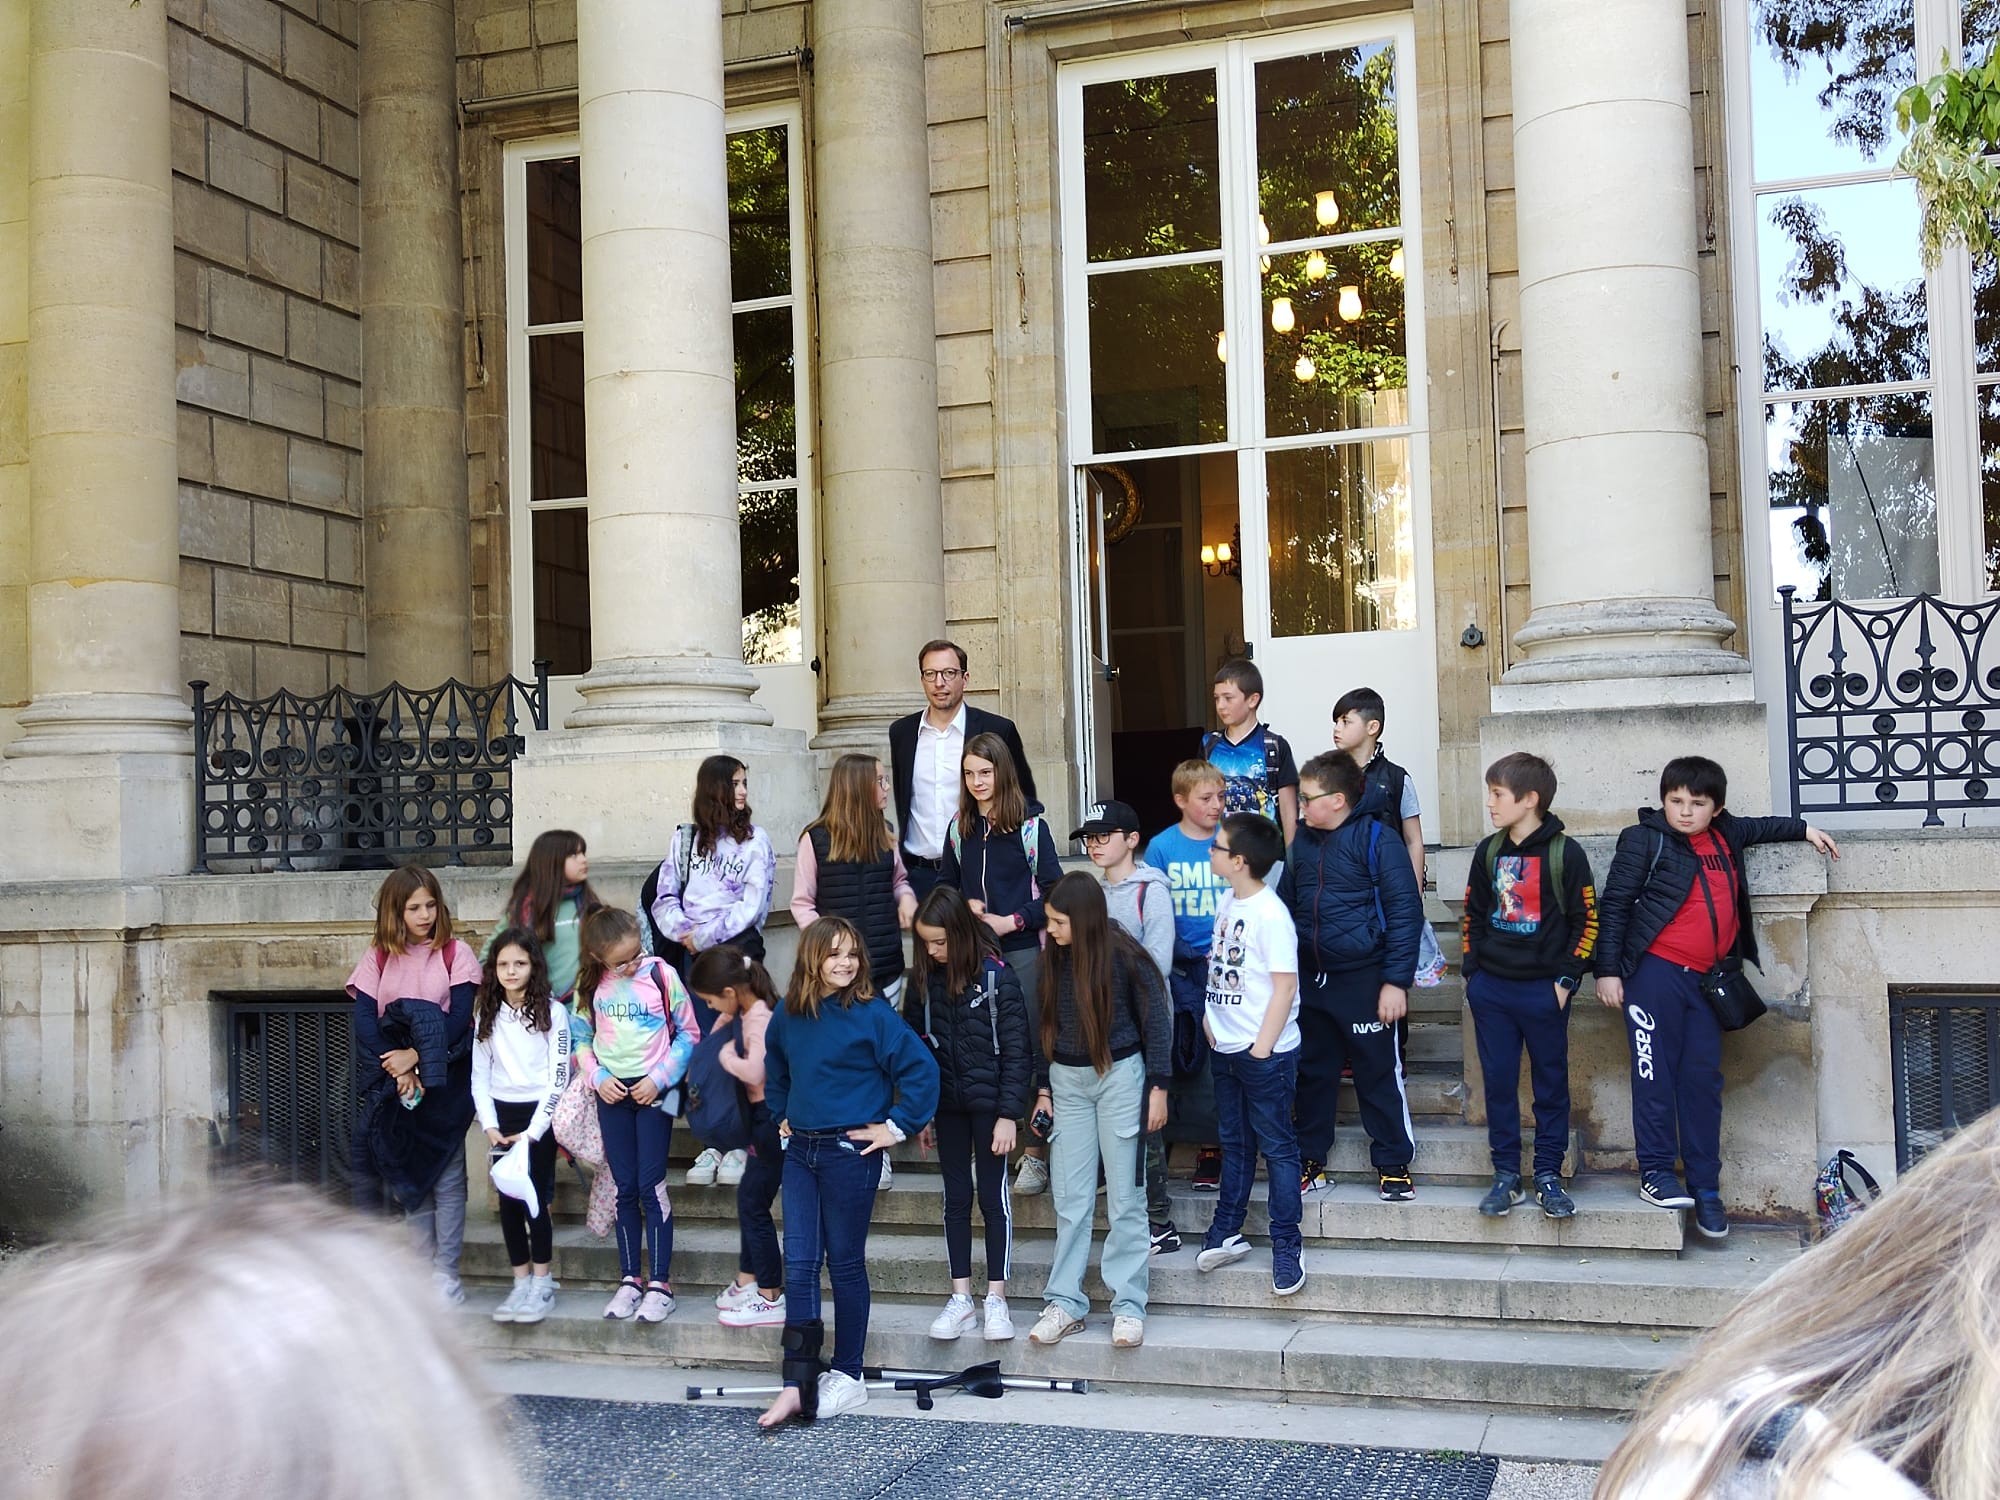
1675,905
1529,930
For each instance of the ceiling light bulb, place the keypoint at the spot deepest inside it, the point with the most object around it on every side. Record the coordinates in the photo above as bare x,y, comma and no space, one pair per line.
1316,266
1305,369
1326,209
1350,304
1281,315
1396,263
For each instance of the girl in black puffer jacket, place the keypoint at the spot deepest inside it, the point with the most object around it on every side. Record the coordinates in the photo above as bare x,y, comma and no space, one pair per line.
967,1006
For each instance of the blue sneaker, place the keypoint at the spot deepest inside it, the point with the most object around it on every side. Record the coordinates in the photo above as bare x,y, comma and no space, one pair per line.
1663,1190
1556,1204
1710,1219
1502,1196
1287,1274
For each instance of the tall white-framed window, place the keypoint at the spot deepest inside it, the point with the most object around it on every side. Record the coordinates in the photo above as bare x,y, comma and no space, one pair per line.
549,484
1241,242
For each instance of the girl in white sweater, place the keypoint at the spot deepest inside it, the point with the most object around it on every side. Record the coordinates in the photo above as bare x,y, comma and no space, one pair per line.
520,1064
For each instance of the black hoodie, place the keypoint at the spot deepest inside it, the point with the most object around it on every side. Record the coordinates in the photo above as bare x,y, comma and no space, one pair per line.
1527,928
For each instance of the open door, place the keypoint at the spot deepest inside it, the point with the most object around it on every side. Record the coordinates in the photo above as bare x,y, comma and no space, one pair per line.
1098,707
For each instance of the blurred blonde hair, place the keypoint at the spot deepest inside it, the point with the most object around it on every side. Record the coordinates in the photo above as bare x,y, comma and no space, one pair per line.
251,1346
1890,1330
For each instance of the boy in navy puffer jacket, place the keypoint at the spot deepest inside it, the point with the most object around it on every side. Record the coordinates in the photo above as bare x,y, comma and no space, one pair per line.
1354,899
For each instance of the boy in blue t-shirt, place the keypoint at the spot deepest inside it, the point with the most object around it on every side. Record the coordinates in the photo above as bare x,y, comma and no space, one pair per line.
1258,774
1181,853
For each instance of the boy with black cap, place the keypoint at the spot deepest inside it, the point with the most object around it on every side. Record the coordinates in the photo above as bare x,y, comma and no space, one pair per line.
1140,900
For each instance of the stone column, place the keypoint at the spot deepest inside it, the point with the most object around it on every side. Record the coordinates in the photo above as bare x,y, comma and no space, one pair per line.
1624,620
99,783
418,555
1611,347
14,575
882,529
667,685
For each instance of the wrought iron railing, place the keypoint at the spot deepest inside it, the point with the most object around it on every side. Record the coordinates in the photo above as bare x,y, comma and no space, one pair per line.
349,780
291,1086
1893,706
1944,1058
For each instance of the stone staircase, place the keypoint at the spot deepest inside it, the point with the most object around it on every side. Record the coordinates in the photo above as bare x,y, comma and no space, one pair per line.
1422,1304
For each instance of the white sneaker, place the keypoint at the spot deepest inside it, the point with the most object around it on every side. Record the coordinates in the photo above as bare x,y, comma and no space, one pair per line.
706,1165
1053,1326
840,1394
731,1171
448,1289
1127,1332
624,1302
656,1305
756,1313
735,1295
999,1322
888,1172
1214,1256
958,1317
1031,1177
540,1300
517,1298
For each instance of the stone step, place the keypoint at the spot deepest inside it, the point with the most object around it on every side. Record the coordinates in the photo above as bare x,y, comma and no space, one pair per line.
1610,1217
1532,1289
1503,1368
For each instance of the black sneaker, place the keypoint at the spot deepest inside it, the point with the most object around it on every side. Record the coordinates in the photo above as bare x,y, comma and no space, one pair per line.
1396,1186
1313,1178
1709,1216
1556,1204
1208,1170
1663,1190
1501,1197
1166,1239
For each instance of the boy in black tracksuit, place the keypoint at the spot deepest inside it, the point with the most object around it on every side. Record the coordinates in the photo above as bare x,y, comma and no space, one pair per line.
1529,929
1354,900
1676,905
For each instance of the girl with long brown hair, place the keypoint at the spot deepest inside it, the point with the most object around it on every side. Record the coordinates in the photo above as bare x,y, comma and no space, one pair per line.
413,1000
1106,1035
1001,856
849,866
846,1080
551,897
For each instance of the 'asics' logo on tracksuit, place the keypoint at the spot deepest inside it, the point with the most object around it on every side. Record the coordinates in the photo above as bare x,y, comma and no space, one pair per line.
1642,1041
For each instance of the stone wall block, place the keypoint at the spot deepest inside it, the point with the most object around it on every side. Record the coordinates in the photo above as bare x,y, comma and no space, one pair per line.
286,396
341,272
245,167
281,667
226,666
329,618
320,478
324,63
210,225
203,74
285,540
246,312
323,200
283,253
211,375
190,141
281,112
197,598
249,606
324,338
343,551
195,445
340,140
251,459
252,27
215,527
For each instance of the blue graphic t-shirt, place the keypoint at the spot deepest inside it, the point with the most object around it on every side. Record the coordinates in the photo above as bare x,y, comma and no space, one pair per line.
1250,782
1195,885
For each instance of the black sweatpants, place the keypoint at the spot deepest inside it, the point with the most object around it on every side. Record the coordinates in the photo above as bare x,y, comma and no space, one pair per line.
1338,1025
528,1240
965,1150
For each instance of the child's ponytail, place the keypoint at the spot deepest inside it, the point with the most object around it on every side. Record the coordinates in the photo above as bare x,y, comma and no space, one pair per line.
729,968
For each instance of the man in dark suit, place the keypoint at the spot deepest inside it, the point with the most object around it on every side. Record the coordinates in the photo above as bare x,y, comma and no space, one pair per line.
924,754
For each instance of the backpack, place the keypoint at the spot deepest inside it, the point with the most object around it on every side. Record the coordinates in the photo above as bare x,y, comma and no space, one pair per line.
1031,848
650,942
718,1106
1834,1200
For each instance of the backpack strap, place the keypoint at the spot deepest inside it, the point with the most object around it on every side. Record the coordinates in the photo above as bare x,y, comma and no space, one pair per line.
1208,742
1375,871
1844,1161
1031,847
1556,847
684,853
1273,757
952,837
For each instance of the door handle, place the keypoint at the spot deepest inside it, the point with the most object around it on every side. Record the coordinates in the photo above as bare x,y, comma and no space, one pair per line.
1110,672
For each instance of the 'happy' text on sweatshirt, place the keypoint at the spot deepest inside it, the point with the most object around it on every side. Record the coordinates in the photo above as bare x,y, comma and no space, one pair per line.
644,1023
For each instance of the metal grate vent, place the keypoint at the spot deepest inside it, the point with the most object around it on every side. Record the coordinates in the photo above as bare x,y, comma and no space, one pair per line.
291,1086
1944,1050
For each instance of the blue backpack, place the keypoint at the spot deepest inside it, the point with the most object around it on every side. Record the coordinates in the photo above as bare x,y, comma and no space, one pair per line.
718,1107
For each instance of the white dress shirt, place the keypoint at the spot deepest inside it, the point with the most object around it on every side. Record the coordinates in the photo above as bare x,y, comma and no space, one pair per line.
934,786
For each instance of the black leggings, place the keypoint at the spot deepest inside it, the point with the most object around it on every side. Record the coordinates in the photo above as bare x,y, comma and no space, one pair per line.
965,1148
528,1240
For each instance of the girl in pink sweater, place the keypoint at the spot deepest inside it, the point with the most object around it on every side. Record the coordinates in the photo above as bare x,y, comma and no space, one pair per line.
743,996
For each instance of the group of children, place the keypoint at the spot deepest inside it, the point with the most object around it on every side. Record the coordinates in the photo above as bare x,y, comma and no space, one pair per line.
1212,987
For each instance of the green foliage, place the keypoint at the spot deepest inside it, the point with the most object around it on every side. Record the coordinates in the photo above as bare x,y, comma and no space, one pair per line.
1953,124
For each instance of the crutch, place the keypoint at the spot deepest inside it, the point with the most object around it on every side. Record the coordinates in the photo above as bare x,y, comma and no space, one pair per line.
984,1380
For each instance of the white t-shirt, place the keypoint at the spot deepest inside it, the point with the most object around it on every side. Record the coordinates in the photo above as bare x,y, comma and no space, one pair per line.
1254,939
934,783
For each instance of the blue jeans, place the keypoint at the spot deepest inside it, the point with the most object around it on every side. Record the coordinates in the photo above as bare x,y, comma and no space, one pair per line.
763,1173
1253,1105
829,1199
635,1154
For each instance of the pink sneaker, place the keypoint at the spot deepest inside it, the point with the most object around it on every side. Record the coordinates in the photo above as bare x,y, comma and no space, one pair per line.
625,1301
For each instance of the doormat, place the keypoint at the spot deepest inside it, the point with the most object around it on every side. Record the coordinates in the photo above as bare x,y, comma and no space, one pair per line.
607,1450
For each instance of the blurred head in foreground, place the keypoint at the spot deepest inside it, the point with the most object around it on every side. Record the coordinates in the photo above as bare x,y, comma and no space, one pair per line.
1868,1368
253,1346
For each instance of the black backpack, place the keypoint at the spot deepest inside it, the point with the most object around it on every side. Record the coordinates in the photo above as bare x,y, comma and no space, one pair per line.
718,1106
